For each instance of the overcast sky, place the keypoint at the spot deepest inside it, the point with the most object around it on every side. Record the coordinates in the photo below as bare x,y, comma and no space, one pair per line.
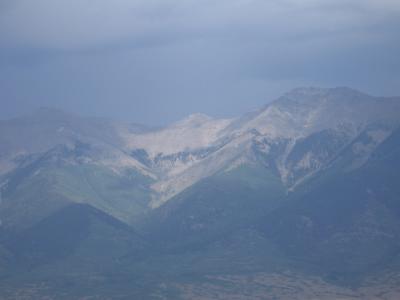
155,61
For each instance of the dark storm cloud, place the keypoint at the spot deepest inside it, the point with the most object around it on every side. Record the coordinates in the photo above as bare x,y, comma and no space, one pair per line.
155,61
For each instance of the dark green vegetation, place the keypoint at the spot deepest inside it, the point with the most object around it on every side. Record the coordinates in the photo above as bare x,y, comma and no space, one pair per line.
342,227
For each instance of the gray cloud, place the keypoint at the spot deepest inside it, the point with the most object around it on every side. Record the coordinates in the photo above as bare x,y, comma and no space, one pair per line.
155,61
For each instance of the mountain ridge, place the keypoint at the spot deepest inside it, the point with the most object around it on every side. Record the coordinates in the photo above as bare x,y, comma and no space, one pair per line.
303,191
180,154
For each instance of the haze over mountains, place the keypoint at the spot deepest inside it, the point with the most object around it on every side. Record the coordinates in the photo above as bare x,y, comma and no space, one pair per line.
303,191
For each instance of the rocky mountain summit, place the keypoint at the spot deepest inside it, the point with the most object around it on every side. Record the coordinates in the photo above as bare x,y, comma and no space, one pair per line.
297,135
315,171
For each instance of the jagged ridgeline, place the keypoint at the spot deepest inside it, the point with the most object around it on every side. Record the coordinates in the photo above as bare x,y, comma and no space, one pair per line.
300,198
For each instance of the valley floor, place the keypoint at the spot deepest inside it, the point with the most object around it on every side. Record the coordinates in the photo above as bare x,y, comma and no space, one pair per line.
284,287
252,286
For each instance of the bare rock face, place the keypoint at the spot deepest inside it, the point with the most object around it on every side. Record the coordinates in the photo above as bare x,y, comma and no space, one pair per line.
297,135
311,125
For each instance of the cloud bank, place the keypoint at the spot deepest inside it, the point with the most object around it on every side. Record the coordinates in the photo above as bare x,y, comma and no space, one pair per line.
155,61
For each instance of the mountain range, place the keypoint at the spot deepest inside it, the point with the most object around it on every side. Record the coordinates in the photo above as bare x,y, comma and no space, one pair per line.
297,200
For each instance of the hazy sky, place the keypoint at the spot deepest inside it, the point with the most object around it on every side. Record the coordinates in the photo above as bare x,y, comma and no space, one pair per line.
155,61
